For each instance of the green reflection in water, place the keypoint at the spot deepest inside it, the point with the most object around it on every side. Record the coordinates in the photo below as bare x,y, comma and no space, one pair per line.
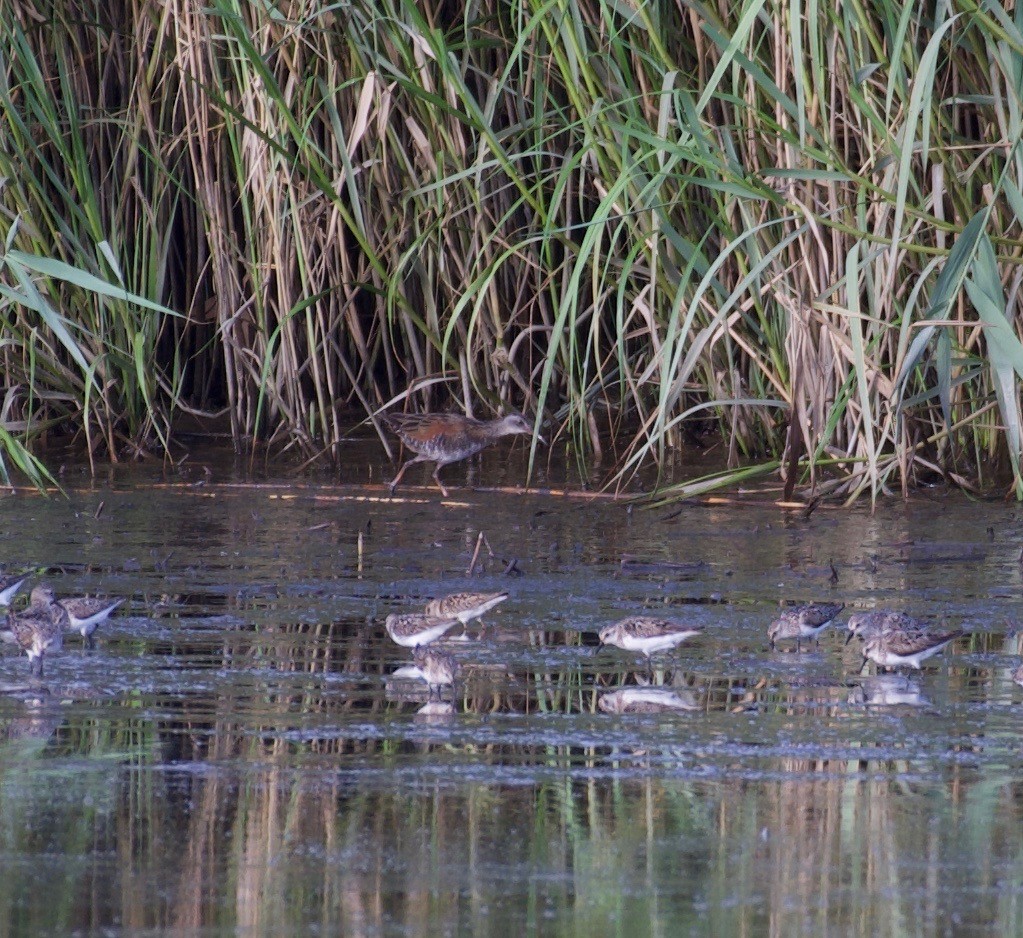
268,847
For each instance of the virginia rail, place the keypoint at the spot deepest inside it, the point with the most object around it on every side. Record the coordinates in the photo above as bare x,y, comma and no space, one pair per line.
447,438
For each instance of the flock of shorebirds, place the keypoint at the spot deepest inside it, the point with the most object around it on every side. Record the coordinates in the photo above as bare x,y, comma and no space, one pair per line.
890,639
417,630
39,628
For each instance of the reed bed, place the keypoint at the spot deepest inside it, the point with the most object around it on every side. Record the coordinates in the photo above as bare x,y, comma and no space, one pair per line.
787,226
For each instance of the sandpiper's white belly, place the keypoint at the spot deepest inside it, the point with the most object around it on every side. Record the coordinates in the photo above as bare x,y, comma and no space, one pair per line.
89,624
657,643
888,659
809,631
423,637
466,615
410,631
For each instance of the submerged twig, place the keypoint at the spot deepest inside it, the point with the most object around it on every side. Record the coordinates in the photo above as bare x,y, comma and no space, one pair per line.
481,539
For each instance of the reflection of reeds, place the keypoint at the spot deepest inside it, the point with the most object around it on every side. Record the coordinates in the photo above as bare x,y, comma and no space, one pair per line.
206,822
268,848
691,222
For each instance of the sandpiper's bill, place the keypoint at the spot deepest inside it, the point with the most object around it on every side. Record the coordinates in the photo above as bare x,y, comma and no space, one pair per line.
410,629
438,668
896,648
804,621
85,613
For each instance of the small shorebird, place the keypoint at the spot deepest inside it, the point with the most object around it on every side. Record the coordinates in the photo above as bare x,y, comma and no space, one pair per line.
42,601
9,585
464,606
36,632
803,621
437,667
447,438
646,634
410,629
863,625
646,700
85,613
894,648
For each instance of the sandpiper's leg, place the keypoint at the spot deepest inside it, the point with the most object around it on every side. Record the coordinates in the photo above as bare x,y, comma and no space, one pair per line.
90,642
37,666
436,478
799,644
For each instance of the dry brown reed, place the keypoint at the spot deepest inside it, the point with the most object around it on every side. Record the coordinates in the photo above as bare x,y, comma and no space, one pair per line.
794,227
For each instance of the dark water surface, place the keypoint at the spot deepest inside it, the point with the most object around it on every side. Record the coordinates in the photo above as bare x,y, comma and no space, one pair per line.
236,758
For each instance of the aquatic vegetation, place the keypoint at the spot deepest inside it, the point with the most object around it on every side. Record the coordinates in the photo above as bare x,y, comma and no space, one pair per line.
789,228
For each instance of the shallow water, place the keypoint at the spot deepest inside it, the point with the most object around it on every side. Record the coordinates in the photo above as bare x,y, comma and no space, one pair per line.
235,755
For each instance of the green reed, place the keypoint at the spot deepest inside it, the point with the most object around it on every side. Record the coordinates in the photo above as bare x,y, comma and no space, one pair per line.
788,225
